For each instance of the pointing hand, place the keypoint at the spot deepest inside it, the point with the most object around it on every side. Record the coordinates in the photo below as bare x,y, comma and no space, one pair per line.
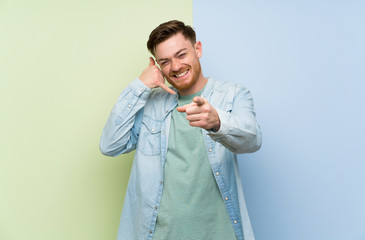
201,114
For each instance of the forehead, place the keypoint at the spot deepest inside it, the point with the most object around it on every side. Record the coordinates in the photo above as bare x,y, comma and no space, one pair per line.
172,45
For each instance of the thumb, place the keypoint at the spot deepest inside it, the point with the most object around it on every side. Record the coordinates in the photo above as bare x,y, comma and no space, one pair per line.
199,101
152,62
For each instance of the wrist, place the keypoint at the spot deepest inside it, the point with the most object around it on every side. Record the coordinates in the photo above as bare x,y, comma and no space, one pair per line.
216,127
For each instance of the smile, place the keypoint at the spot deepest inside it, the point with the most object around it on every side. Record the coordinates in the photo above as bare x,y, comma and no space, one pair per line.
181,74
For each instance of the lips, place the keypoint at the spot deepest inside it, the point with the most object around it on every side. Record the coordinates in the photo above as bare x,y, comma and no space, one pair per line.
180,74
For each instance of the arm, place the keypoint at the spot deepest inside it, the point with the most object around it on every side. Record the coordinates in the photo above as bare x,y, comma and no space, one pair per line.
239,131
120,134
235,129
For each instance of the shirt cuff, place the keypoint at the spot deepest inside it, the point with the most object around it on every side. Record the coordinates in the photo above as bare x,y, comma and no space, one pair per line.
223,130
139,88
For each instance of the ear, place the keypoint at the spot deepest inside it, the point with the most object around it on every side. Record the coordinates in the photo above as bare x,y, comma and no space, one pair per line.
198,49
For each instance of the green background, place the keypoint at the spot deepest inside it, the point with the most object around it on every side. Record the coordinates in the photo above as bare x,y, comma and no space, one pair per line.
62,67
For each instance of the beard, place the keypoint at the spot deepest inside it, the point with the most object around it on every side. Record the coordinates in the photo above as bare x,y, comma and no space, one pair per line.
182,86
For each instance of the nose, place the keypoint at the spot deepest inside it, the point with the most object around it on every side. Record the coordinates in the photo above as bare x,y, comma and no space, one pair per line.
176,65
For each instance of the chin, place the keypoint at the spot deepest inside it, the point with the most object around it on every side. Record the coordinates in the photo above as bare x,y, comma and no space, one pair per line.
186,84
182,86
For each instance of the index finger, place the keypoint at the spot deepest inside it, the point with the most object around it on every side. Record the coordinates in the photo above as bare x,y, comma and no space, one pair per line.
166,88
183,108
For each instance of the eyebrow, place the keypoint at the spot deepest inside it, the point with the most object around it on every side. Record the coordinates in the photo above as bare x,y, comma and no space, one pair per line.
177,53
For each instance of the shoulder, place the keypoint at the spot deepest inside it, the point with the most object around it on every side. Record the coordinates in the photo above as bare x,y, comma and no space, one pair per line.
226,95
224,88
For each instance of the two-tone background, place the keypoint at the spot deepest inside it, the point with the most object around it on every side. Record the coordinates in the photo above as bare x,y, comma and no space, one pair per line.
64,63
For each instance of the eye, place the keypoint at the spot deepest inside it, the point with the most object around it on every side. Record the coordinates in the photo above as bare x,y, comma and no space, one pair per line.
182,55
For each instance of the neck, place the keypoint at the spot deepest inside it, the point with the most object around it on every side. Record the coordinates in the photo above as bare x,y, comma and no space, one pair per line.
199,85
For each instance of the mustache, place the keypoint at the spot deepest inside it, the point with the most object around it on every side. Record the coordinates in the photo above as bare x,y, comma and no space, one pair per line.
178,72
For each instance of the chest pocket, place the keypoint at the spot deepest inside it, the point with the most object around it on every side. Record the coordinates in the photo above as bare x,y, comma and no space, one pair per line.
150,136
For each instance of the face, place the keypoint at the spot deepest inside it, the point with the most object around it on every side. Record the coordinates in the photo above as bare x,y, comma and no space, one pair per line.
179,61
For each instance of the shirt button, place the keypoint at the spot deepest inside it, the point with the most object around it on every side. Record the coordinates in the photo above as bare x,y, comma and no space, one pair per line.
210,149
235,221
141,89
150,232
156,207
161,182
129,106
153,130
217,173
226,198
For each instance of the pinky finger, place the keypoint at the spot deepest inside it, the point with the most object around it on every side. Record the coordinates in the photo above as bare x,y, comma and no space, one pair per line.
166,88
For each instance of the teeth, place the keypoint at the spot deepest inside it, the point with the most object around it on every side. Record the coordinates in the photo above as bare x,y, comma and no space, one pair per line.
182,74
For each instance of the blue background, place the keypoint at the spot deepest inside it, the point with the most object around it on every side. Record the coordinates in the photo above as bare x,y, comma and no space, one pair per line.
304,63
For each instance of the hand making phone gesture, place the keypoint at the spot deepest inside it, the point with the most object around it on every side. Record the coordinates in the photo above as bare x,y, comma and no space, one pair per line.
152,77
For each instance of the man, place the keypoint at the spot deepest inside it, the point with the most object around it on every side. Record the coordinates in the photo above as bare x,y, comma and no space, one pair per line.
184,182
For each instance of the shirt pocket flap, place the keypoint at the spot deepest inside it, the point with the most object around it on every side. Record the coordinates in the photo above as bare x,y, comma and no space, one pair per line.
152,125
150,137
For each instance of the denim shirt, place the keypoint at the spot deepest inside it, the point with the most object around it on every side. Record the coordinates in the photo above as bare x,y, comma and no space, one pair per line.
140,121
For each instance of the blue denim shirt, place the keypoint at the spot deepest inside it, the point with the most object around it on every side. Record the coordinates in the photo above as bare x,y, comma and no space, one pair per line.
140,121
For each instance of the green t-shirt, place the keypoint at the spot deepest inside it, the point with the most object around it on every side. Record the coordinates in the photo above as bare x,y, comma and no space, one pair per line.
191,207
